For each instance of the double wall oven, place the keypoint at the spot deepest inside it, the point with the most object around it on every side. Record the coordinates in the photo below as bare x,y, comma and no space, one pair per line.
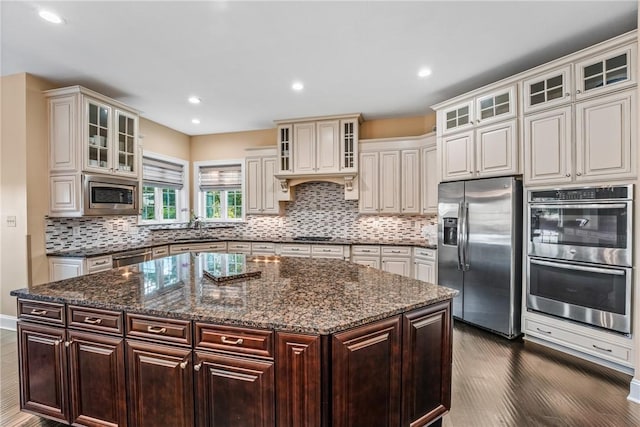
580,255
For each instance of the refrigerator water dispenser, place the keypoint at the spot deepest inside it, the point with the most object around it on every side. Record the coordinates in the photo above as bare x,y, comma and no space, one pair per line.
450,235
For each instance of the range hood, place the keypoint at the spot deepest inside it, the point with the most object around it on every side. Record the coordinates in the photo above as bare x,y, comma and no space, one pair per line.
348,180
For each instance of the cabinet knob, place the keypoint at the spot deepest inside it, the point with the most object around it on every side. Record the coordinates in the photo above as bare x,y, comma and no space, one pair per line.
578,91
579,173
197,367
567,175
68,343
57,342
184,364
567,94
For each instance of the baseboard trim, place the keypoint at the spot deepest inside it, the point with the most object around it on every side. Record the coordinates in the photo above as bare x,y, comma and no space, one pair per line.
8,322
634,391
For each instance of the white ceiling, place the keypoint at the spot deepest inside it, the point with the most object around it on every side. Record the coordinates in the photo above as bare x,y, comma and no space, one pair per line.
242,57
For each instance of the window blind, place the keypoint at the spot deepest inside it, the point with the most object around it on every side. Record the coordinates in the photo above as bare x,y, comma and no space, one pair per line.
224,177
161,173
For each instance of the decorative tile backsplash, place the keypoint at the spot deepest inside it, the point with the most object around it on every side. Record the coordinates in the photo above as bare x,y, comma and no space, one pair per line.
319,209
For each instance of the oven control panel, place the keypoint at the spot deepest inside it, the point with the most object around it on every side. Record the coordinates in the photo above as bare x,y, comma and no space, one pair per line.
624,192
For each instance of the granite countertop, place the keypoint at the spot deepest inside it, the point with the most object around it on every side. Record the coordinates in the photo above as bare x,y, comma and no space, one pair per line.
318,296
112,249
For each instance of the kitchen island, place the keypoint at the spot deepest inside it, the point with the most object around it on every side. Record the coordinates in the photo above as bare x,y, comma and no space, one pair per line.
310,342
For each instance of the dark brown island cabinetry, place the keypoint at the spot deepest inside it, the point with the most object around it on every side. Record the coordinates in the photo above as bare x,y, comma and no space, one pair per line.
86,366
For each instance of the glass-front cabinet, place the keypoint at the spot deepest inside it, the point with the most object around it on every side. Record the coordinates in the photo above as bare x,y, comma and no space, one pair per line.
458,117
110,139
547,90
284,148
599,74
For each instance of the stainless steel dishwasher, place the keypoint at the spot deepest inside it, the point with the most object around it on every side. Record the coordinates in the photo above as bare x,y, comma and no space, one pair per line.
132,257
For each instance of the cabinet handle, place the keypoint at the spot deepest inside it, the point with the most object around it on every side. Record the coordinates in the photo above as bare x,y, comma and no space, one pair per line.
395,252
226,340
184,364
608,350
197,367
156,329
184,249
543,331
36,312
93,321
366,250
295,249
68,343
101,263
326,250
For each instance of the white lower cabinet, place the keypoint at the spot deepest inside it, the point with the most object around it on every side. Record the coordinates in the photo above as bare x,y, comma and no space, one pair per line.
160,251
239,247
330,251
425,264
299,250
597,345
61,268
368,255
263,248
396,259
195,247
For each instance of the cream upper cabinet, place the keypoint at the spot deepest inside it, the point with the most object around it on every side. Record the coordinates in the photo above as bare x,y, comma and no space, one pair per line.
491,106
606,137
547,90
547,146
380,182
429,179
496,150
410,181
389,182
611,70
457,160
318,147
261,186
64,152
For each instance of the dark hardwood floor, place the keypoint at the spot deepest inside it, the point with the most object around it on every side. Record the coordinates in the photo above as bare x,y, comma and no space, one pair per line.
495,383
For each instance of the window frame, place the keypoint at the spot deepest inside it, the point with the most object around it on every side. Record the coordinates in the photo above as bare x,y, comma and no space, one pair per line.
182,195
199,204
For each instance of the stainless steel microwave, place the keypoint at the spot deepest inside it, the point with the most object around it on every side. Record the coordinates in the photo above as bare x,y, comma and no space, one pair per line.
106,195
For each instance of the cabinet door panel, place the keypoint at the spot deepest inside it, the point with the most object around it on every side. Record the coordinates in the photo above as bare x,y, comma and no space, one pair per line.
366,369
369,261
254,186
44,385
429,176
304,147
97,382
426,363
496,150
63,146
425,271
97,136
547,90
547,144
328,146
399,266
298,379
65,192
457,156
233,391
160,385
410,182
390,182
604,137
269,197
369,183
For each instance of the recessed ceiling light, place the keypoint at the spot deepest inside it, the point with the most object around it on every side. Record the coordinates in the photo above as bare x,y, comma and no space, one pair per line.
195,121
424,72
49,16
194,100
297,86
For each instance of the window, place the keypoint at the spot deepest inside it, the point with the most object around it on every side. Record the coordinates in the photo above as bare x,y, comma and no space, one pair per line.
219,191
164,194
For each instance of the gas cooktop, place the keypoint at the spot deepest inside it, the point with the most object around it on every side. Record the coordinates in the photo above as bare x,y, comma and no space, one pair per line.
312,238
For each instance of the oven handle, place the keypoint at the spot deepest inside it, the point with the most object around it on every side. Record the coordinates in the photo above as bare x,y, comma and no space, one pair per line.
578,267
581,206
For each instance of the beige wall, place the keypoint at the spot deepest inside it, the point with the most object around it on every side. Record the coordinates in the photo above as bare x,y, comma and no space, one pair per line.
397,127
163,140
13,189
231,145
37,144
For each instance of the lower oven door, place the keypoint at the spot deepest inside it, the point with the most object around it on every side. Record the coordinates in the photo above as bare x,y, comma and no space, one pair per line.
594,294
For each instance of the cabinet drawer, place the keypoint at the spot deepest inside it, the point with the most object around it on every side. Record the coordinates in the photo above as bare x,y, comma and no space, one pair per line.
212,247
48,312
239,247
94,319
581,342
179,249
295,250
332,251
256,342
396,251
261,247
160,251
101,263
425,253
159,329
365,250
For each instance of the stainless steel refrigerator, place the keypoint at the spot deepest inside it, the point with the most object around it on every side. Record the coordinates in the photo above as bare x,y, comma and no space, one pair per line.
480,251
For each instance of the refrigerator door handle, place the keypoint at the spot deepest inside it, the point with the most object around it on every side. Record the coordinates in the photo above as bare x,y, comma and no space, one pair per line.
459,237
465,250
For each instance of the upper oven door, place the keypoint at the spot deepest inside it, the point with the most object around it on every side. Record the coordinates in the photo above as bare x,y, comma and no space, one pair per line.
590,232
